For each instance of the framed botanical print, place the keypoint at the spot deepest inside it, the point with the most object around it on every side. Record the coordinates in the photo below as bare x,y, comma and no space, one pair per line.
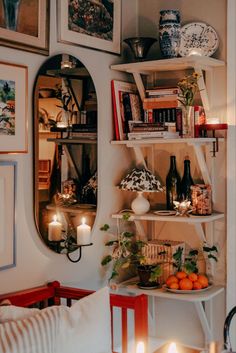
24,24
91,23
7,214
13,108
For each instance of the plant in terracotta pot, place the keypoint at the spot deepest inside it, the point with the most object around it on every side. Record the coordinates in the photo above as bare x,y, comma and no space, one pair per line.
127,252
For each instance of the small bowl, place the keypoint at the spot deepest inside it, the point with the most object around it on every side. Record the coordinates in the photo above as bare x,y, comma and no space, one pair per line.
140,46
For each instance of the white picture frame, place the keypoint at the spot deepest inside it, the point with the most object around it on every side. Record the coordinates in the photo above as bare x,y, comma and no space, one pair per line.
13,108
85,35
7,214
31,30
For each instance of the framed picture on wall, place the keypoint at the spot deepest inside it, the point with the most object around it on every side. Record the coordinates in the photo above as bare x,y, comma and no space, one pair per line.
13,108
7,215
126,107
91,23
24,25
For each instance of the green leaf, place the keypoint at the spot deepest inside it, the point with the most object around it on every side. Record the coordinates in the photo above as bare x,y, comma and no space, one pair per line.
126,216
128,234
193,252
111,242
155,273
190,267
106,260
113,274
105,227
210,256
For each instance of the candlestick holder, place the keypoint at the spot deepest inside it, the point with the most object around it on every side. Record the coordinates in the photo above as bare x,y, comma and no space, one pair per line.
76,247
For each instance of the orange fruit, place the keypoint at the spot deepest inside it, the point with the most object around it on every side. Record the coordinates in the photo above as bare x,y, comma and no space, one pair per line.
197,285
181,274
186,284
174,286
203,280
193,277
171,279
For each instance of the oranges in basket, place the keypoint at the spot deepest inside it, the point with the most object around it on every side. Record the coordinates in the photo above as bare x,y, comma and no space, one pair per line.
184,281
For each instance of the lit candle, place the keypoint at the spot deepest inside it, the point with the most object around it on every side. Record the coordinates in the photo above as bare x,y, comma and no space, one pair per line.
61,124
213,121
83,233
54,230
140,347
172,348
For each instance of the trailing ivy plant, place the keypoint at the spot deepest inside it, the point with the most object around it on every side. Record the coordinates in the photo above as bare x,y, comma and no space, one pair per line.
189,264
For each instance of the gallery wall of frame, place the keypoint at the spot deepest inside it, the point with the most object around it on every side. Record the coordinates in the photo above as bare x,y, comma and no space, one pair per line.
24,26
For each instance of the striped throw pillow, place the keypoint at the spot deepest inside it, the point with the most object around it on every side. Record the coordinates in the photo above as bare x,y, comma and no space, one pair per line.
35,334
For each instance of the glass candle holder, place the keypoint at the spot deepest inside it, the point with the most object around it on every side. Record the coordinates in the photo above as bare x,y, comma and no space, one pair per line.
201,198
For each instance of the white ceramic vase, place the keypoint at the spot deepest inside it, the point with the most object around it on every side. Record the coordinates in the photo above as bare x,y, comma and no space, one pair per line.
140,205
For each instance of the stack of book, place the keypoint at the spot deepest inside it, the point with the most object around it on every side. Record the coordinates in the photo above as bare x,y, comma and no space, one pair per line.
161,97
150,130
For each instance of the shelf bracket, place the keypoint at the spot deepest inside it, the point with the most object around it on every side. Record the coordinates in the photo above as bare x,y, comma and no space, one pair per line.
139,156
139,83
201,162
204,322
140,230
200,232
202,88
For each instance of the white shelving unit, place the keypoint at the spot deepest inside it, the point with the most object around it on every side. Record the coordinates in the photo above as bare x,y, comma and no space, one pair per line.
205,67
199,301
198,63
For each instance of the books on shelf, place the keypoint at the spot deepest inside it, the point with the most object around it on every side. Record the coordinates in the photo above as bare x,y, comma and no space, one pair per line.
155,103
162,91
152,134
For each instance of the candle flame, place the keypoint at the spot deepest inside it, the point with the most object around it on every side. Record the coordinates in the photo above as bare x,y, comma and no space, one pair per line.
83,220
172,348
140,347
55,218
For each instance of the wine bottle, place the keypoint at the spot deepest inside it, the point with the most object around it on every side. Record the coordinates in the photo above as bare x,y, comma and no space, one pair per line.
172,185
186,182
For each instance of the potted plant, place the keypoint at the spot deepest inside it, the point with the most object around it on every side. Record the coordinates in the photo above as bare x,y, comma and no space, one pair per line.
127,252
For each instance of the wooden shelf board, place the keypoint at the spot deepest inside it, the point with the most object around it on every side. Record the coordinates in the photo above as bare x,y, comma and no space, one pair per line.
199,141
188,62
210,293
72,209
69,141
192,219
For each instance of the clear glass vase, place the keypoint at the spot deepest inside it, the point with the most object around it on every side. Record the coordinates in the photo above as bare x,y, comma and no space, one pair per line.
188,121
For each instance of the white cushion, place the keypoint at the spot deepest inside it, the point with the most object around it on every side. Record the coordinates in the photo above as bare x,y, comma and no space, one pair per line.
12,312
86,328
83,328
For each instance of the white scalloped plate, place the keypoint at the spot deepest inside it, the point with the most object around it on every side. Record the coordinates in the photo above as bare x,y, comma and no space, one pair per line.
179,291
198,38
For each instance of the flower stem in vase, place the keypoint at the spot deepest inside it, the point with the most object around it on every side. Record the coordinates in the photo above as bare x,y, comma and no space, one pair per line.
11,13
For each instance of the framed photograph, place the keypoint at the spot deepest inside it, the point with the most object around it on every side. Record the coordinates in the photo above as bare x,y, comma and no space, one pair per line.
126,107
24,25
13,108
90,23
7,214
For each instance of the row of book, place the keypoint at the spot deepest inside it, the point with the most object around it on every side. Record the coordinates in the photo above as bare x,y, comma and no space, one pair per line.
165,123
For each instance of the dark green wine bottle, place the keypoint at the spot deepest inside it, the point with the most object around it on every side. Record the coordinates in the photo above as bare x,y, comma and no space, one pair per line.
186,182
172,185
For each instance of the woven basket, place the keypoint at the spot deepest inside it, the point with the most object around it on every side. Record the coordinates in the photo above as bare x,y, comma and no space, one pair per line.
161,252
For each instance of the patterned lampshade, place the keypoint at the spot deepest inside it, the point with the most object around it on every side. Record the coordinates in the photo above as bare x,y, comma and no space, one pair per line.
140,180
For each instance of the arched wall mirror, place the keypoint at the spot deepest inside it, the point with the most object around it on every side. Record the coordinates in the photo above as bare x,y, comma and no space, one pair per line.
65,153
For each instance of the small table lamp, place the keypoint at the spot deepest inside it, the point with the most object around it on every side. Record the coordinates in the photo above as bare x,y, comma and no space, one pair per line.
140,180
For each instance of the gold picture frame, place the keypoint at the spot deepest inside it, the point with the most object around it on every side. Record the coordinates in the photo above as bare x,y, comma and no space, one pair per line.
13,108
90,23
24,25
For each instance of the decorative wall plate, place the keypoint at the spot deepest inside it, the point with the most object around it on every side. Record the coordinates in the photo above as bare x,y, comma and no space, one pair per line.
192,291
198,38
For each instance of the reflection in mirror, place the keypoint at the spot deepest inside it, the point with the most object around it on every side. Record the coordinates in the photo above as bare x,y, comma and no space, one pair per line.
65,153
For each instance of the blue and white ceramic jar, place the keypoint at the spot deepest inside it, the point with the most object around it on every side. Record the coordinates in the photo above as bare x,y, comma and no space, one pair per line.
169,33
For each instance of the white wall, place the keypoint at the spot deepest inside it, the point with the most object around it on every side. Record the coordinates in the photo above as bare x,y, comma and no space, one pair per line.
36,264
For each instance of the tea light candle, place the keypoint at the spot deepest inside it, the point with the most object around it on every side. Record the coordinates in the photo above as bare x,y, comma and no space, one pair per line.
83,233
140,347
62,124
54,230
